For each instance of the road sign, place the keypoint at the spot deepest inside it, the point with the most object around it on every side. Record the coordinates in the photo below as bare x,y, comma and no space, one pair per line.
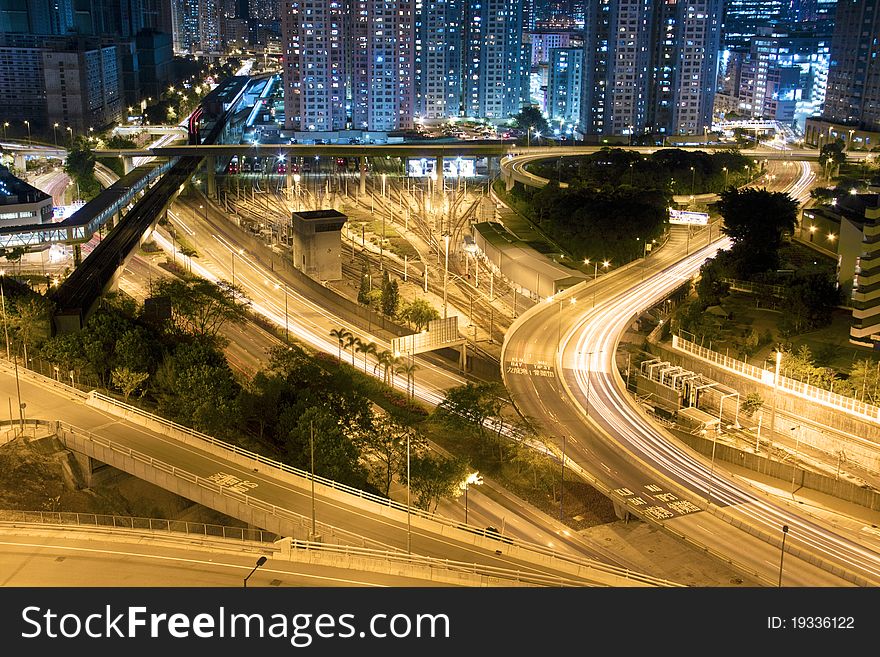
688,218
441,333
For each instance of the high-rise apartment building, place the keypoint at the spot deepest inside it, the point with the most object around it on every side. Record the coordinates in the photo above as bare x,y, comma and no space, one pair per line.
743,18
382,76
437,58
495,63
649,66
853,95
564,86
196,26
314,59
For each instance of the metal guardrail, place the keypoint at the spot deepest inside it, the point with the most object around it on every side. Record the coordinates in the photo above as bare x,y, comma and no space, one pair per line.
280,512
75,437
102,521
812,393
433,563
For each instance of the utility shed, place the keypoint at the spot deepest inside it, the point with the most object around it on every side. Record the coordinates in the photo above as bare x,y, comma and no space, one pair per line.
317,243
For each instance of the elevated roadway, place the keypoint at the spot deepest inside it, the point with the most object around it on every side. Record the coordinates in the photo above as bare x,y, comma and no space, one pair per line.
252,488
572,386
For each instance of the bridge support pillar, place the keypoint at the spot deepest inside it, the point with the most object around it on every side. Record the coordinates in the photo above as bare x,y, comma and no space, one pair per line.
127,163
362,185
438,169
490,166
211,175
621,512
462,357
110,221
21,164
77,255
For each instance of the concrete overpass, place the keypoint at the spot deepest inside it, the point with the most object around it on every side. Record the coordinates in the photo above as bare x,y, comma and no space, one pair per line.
214,152
273,496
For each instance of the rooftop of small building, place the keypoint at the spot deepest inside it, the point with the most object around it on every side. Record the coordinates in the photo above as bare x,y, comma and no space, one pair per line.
16,190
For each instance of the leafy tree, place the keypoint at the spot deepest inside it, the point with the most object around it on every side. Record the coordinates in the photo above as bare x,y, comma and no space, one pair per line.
833,153
711,288
433,478
336,456
809,300
530,118
751,403
260,400
385,445
473,407
80,166
13,255
201,308
197,388
30,320
864,376
418,313
127,380
364,288
390,295
757,220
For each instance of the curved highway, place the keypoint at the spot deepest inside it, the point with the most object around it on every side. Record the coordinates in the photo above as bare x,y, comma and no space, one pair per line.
573,389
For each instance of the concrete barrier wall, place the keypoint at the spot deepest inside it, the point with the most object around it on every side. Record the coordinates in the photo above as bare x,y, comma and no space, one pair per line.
865,452
841,489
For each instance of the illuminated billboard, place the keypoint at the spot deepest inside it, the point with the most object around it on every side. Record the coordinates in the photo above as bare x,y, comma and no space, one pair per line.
458,167
688,218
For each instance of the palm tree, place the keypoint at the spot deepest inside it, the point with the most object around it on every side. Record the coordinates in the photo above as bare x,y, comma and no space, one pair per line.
387,361
366,348
352,342
409,369
341,336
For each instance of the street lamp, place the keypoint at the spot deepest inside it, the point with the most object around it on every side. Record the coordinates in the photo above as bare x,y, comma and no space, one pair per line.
70,134
240,252
55,132
595,267
559,325
724,169
445,272
384,176
3,299
782,552
28,124
693,178
5,125
408,502
260,562
797,447
286,337
296,179
472,478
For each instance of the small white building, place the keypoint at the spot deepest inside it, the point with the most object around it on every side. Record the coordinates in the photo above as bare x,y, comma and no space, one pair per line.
22,204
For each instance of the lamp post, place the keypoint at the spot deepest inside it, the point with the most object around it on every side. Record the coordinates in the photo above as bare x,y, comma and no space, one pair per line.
724,169
312,450
529,136
445,273
260,562
797,447
296,179
595,268
572,301
240,252
782,552
3,299
693,179
5,125
775,388
286,336
562,483
55,132
472,478
408,502
384,176
70,134
28,124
